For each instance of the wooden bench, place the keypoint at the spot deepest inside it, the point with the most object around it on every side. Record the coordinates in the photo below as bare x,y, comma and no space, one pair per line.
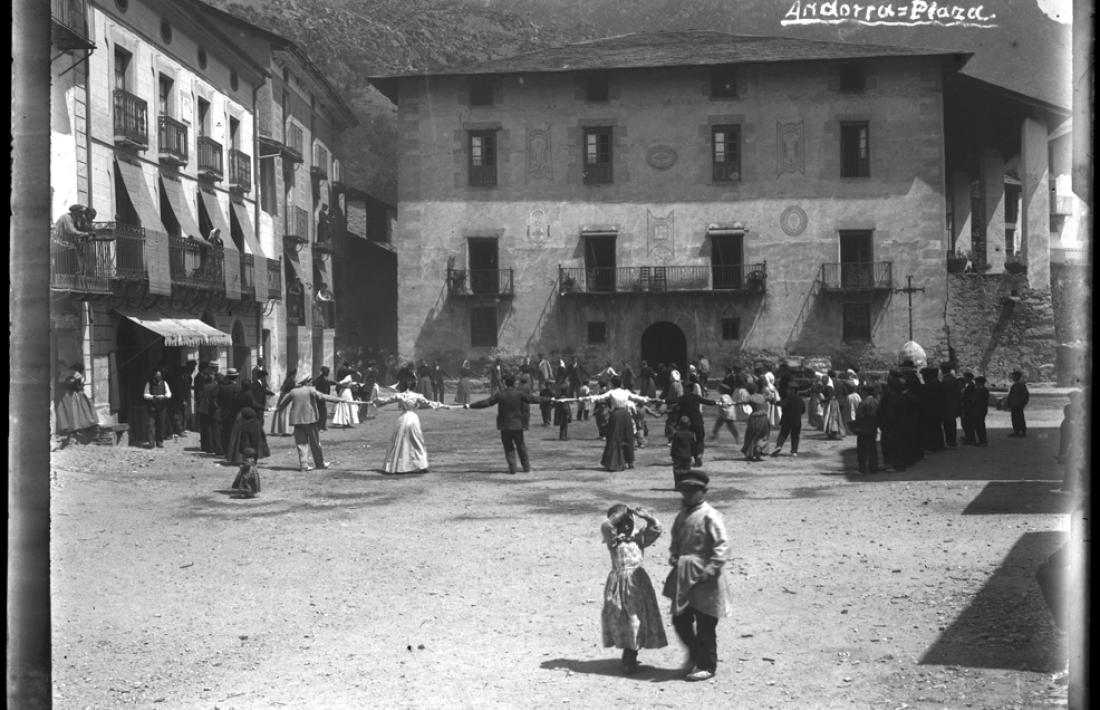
111,434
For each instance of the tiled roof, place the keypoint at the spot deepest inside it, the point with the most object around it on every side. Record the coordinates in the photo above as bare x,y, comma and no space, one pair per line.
647,50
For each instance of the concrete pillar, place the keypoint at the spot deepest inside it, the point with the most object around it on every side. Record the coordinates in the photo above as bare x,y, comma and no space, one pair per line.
960,211
1035,193
993,200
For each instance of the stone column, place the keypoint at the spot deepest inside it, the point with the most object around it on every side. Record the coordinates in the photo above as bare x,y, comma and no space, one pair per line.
993,188
1035,193
960,211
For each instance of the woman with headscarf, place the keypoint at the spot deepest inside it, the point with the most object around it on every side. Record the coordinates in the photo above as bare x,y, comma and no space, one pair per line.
465,372
247,433
757,429
75,412
618,450
346,414
834,425
771,399
280,425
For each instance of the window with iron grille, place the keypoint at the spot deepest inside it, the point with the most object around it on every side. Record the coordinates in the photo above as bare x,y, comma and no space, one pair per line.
723,83
853,77
597,155
481,91
483,326
596,87
731,329
857,322
726,155
855,158
483,158
597,332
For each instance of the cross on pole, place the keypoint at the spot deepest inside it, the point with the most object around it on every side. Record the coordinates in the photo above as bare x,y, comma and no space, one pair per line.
909,290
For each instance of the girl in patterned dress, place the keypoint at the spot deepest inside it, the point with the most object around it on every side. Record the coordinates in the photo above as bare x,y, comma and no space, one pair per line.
631,617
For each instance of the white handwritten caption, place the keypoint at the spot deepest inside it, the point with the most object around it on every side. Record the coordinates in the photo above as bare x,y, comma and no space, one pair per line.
902,14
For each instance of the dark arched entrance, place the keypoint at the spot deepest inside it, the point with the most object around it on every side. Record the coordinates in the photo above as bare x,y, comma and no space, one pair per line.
664,342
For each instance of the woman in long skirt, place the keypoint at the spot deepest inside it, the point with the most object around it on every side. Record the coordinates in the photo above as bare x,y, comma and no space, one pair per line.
618,450
280,422
815,416
834,425
462,396
75,412
757,429
407,453
346,414
247,433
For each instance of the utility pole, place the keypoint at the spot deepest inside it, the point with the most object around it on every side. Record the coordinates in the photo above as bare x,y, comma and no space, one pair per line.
909,291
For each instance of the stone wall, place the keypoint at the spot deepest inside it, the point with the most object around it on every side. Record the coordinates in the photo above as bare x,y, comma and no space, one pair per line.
998,324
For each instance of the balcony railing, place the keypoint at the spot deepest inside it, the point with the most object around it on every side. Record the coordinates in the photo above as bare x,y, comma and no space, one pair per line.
210,164
82,267
248,275
480,282
131,118
857,276
597,173
240,171
483,175
294,143
274,279
714,278
172,140
69,25
195,264
319,168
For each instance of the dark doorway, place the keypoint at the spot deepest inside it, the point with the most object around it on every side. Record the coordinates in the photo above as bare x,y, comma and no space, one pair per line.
726,257
484,265
664,342
599,262
242,354
856,267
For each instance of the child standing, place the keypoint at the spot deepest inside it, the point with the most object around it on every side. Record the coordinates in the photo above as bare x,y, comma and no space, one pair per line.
546,407
631,617
727,415
682,448
582,404
247,482
563,413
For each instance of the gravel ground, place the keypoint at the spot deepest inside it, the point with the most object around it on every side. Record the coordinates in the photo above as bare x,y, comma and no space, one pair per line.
470,588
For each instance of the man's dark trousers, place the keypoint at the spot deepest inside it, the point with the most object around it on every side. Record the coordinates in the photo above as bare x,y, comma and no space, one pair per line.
512,439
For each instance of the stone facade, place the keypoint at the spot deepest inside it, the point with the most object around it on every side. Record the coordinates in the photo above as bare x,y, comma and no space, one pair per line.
663,206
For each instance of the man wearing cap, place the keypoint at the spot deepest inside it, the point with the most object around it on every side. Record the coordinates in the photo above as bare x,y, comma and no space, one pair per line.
303,401
697,585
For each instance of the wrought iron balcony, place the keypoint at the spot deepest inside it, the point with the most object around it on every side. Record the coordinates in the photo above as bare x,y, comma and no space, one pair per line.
194,263
240,171
172,140
319,169
293,146
700,279
597,173
857,276
274,279
297,226
69,25
85,266
131,119
210,159
483,175
480,282
248,276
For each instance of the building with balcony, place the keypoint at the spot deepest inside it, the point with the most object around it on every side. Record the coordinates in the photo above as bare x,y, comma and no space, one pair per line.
148,95
652,196
299,118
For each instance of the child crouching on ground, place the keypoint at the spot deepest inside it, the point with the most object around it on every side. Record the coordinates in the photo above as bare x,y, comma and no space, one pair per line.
631,616
247,482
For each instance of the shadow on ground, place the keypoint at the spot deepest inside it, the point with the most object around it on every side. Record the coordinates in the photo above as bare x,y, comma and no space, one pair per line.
613,667
1007,625
1019,497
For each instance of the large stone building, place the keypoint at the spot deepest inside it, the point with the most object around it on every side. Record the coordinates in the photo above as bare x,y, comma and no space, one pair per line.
152,125
658,195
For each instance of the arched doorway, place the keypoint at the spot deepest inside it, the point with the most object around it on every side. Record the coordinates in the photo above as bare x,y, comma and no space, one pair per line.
242,354
664,342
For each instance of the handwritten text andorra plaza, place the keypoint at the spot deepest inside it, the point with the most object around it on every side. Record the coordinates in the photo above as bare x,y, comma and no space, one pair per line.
915,12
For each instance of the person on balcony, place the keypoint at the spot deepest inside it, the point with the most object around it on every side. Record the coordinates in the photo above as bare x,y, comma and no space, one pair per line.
324,227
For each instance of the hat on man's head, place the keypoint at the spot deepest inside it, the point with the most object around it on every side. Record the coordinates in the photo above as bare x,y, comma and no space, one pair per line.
693,479
231,372
305,380
76,208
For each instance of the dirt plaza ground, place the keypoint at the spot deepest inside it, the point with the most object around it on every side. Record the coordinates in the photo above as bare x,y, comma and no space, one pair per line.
469,588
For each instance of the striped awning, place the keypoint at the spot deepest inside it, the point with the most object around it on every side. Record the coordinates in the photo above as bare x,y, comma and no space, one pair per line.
156,237
179,331
231,265
252,246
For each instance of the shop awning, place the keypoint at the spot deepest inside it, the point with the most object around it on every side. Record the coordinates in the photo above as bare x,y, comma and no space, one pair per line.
252,246
298,268
188,224
156,237
231,265
179,331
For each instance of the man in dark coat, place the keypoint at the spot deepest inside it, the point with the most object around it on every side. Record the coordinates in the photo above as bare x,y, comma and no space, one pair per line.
577,376
931,400
966,404
211,415
229,394
511,404
951,399
979,408
324,385
790,421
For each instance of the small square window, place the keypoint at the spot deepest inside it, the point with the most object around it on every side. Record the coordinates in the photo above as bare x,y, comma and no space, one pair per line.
597,332
857,322
723,83
731,329
596,87
855,160
853,77
481,92
483,326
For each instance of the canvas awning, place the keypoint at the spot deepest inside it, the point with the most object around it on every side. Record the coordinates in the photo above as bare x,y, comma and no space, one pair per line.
299,270
252,246
188,224
179,331
156,237
231,265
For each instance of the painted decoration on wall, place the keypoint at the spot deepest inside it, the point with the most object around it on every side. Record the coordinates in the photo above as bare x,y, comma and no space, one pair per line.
538,227
538,154
661,234
790,154
793,221
661,157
